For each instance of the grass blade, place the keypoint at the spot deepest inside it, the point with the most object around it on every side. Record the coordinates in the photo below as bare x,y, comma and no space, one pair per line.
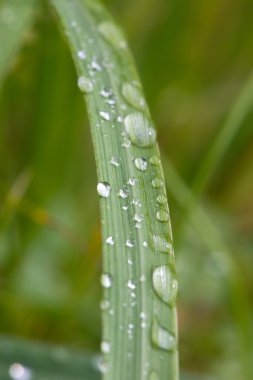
139,313
15,17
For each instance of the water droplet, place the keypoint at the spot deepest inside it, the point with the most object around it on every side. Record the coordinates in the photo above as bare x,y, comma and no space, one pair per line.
104,189
129,243
85,84
162,338
161,199
125,208
96,66
105,115
81,54
141,164
132,181
106,92
104,305
161,244
114,162
106,280
143,315
131,285
154,160
153,376
120,119
105,347
157,183
163,215
123,193
145,244
165,284
138,218
18,372
126,143
133,95
142,278
110,240
130,262
112,34
140,130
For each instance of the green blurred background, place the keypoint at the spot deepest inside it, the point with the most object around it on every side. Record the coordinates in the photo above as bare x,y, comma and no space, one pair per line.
194,59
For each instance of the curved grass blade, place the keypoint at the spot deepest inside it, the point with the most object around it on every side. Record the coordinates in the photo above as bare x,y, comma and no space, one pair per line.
15,18
139,313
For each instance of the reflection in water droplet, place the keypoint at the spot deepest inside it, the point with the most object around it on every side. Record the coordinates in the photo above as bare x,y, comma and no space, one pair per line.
106,280
85,84
163,215
154,160
18,372
161,244
161,199
162,338
157,183
112,34
153,376
110,240
141,164
165,284
105,347
140,130
104,189
133,95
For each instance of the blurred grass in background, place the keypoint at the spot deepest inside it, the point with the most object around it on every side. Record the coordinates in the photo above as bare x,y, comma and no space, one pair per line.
194,58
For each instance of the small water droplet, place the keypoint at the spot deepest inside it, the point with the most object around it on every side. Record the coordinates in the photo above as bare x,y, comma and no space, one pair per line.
142,278
105,347
154,160
114,162
120,119
163,215
162,338
141,164
105,115
165,284
106,92
123,193
161,244
140,130
18,372
96,66
130,262
85,84
161,199
104,189
106,280
132,181
157,183
126,142
133,95
138,218
145,244
110,240
104,305
125,208
131,285
153,376
112,34
129,243
81,55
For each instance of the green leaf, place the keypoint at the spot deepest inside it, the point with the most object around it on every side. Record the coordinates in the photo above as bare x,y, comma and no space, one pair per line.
15,18
139,326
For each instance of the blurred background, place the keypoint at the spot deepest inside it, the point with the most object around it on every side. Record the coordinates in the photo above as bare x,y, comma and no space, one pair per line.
195,59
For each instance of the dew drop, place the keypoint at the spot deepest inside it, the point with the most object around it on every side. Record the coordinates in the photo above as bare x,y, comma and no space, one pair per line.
96,66
112,34
161,199
161,244
81,55
154,160
129,243
142,278
85,84
126,143
104,305
132,181
163,215
157,183
106,280
114,162
104,189
138,218
105,115
133,95
141,164
140,130
165,284
131,285
106,92
123,193
105,347
18,372
145,244
153,376
162,338
110,240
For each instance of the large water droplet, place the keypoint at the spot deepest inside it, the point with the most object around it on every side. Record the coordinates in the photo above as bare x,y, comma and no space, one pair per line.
162,338
161,244
153,376
133,95
140,130
105,347
112,34
104,189
141,164
165,284
161,199
157,183
18,372
106,280
85,84
163,215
